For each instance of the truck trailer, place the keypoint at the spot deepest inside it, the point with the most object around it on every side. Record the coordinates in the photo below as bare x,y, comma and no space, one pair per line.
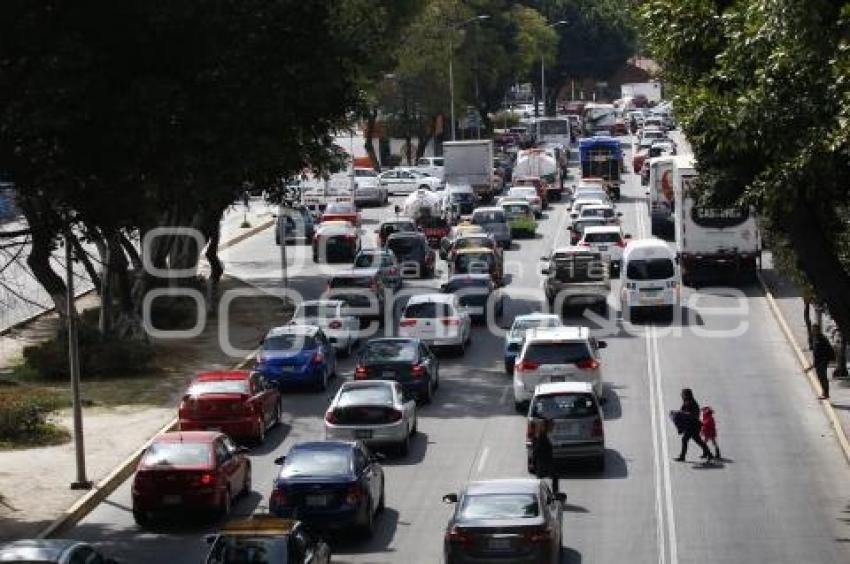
470,162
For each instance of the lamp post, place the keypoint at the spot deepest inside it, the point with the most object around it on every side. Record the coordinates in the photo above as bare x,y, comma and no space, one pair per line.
451,70
543,72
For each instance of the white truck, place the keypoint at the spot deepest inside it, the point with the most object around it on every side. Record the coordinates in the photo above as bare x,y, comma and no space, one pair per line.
317,192
541,163
661,198
470,162
649,90
711,242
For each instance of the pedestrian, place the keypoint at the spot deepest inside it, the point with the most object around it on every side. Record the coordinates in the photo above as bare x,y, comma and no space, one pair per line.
822,355
541,454
708,429
688,425
245,199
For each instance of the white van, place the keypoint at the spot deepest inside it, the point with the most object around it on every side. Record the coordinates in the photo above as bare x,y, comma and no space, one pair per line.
649,278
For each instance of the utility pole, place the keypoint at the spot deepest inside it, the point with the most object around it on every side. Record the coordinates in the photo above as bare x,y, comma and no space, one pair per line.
281,227
451,69
82,482
543,73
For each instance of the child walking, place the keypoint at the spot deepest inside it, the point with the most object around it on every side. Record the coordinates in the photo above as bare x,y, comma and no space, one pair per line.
708,429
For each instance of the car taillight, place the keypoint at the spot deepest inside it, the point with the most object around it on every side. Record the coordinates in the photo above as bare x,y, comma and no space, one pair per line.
330,417
394,416
353,495
537,535
406,322
359,372
318,356
587,364
621,243
526,365
530,431
417,371
206,479
278,497
597,428
451,321
584,244
458,536
335,324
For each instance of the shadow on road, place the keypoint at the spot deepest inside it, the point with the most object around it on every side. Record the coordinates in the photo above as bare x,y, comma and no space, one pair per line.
353,543
570,556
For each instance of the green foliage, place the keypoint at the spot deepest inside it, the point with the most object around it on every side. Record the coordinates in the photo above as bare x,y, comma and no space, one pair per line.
506,119
23,416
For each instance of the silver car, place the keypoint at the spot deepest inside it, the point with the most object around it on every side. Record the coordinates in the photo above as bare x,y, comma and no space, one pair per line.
373,411
51,551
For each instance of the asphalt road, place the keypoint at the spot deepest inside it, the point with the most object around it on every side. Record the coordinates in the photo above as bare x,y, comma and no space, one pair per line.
780,495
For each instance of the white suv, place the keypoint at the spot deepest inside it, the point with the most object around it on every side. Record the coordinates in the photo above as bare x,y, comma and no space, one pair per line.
608,241
557,354
438,320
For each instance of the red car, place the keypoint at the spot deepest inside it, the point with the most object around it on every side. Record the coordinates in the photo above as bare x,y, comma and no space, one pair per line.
196,470
638,160
236,402
341,211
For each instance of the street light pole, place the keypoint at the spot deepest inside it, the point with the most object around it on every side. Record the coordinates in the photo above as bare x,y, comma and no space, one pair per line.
82,482
543,72
281,227
451,69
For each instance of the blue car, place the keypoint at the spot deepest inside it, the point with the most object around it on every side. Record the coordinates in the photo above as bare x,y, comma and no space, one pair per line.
329,485
295,355
515,337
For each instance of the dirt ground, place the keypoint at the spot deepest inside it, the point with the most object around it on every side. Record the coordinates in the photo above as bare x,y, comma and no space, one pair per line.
120,414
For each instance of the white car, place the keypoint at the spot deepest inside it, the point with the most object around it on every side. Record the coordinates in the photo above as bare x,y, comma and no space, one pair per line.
432,166
372,411
341,328
516,335
557,354
438,320
405,181
529,194
604,211
367,188
608,241
582,202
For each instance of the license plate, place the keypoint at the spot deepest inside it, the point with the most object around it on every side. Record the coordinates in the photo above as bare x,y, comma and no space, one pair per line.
287,369
316,500
602,247
362,434
388,374
566,429
558,379
171,500
498,544
650,293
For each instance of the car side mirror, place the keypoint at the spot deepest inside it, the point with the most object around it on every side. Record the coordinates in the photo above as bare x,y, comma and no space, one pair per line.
443,288
280,460
619,214
602,344
450,498
545,270
209,539
561,497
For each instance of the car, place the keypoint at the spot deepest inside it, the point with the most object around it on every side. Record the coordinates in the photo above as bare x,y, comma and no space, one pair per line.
477,293
52,551
238,402
578,431
376,412
516,335
330,485
340,327
189,470
415,255
520,216
406,360
583,200
540,186
432,166
608,240
650,278
579,225
341,211
605,211
297,355
299,225
395,225
529,194
517,520
368,189
438,320
362,290
460,230
576,276
268,539
493,221
557,354
405,181
460,198
338,240
469,240
386,263
478,260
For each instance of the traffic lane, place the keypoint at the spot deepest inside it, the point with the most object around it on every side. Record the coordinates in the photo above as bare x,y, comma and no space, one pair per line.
780,492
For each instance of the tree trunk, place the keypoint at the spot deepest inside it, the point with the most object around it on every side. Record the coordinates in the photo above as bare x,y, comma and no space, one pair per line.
82,256
840,357
41,248
368,134
213,234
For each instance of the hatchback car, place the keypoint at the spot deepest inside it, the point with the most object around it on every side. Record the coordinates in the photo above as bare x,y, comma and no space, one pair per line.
438,320
477,293
577,431
515,520
493,221
407,361
604,211
520,216
341,211
516,335
336,240
189,470
385,261
478,260
376,412
414,254
558,354
237,402
52,551
332,316
395,225
268,539
294,355
329,485
529,194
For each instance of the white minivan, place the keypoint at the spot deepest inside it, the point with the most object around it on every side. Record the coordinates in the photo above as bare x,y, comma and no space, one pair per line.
649,278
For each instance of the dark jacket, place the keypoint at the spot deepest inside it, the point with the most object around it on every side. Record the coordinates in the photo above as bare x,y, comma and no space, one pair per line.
690,416
822,351
542,455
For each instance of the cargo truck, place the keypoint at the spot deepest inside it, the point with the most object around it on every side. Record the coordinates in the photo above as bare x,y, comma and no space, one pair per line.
470,162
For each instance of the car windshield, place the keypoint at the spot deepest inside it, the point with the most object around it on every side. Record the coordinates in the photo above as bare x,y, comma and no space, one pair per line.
178,454
372,260
390,351
557,353
351,282
499,506
522,192
403,245
204,387
473,263
650,269
317,462
470,242
597,212
462,197
339,208
427,310
483,218
366,395
516,209
522,325
389,228
289,342
316,310
564,406
467,283
602,237
246,549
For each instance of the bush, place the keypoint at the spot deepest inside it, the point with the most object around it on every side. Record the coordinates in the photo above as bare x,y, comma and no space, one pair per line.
24,411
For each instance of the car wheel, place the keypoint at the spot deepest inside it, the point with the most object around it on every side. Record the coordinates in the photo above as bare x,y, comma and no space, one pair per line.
429,393
404,446
415,428
224,508
142,518
349,347
381,501
277,413
437,379
246,483
531,469
260,437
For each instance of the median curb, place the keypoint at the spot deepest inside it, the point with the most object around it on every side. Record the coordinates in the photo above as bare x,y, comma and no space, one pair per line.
840,434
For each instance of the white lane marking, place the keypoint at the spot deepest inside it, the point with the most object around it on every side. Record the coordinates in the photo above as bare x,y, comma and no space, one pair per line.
562,226
482,459
659,510
504,397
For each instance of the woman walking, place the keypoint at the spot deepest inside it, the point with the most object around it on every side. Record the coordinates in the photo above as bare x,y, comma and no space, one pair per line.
689,425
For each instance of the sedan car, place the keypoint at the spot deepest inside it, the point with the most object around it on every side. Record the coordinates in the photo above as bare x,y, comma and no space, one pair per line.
329,485
406,181
415,255
385,261
493,221
529,194
342,211
509,520
332,316
237,402
268,539
395,225
373,411
338,240
368,189
438,320
52,551
520,216
407,361
516,335
297,355
477,293
189,470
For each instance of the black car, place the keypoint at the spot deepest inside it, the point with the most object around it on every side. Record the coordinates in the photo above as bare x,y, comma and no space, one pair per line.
405,360
329,485
396,225
266,538
414,254
477,293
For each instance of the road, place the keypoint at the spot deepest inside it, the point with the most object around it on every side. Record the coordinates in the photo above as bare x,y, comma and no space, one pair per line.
780,495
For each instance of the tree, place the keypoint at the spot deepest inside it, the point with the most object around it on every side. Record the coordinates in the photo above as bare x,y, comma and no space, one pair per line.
762,92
